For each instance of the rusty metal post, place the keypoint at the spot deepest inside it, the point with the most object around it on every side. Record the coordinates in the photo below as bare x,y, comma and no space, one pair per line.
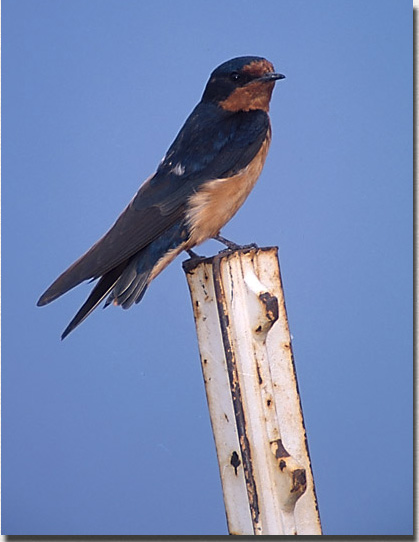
252,393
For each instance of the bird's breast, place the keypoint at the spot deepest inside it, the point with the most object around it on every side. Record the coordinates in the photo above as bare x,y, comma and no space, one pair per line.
218,200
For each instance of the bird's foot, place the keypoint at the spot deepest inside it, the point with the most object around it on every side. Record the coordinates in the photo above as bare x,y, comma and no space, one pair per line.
251,245
231,245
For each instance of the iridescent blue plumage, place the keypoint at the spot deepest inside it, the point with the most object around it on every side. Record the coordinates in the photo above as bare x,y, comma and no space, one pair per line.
213,144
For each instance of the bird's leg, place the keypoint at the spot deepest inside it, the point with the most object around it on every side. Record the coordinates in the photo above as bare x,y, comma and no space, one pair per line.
192,254
231,245
226,242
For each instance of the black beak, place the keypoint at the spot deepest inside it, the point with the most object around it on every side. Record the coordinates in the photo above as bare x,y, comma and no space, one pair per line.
271,77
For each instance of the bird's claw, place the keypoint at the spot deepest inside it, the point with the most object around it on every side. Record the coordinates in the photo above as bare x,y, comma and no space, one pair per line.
251,245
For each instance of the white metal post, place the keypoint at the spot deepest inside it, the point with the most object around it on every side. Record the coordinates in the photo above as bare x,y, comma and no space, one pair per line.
252,393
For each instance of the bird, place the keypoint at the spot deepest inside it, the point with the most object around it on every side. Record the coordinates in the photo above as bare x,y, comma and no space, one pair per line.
199,185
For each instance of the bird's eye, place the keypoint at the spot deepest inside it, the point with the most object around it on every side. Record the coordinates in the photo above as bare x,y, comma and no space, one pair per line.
235,76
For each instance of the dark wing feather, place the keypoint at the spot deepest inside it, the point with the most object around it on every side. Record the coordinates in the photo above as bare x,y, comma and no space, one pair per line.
212,144
99,292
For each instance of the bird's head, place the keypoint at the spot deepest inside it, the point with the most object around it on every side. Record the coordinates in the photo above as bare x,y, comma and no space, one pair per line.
242,84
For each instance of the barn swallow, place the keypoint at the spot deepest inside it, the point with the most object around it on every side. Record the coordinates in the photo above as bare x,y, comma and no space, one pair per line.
202,181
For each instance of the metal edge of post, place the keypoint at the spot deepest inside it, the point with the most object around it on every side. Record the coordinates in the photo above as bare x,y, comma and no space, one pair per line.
219,398
235,391
310,495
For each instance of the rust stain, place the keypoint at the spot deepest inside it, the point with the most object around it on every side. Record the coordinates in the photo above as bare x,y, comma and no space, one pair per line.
299,481
279,449
271,306
235,461
260,380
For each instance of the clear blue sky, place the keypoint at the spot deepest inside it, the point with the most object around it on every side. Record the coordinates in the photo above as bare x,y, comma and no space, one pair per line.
108,432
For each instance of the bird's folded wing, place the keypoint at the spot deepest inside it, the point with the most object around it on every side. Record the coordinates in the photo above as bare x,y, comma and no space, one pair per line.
206,148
